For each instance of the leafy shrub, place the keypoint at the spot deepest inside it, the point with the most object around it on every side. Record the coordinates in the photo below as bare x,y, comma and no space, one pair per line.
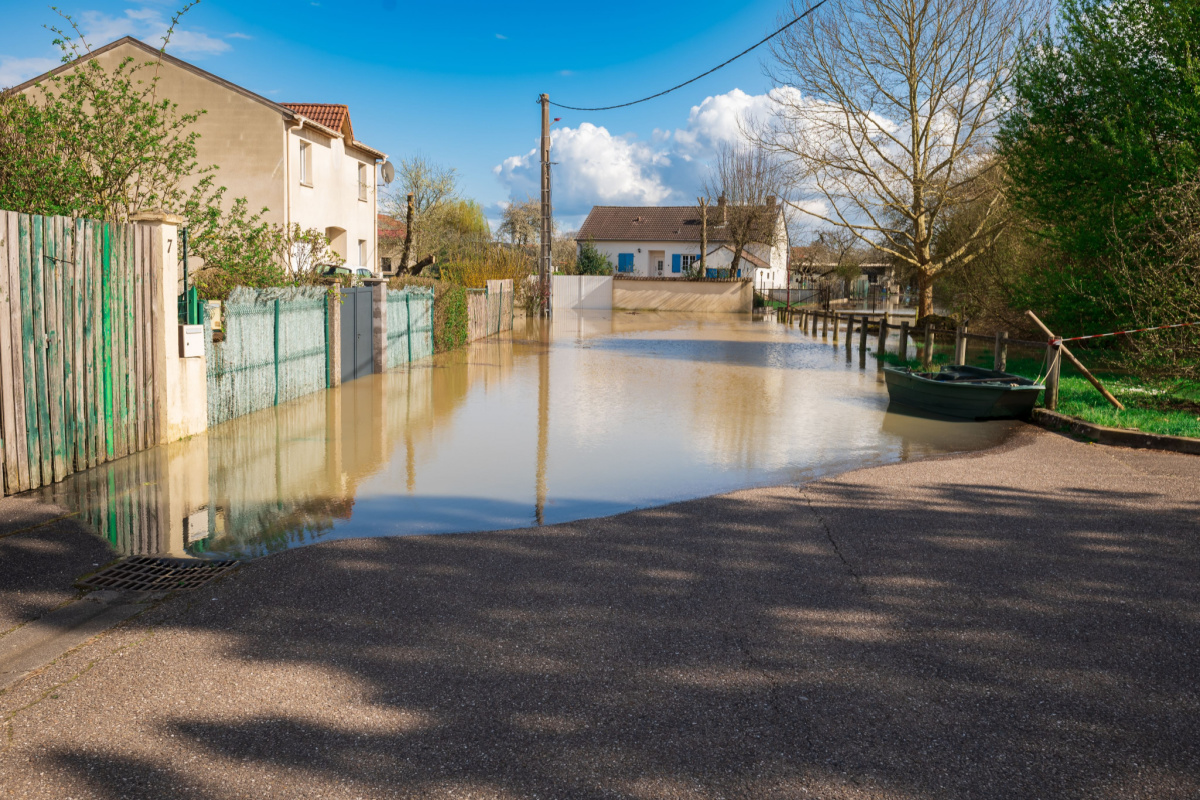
449,310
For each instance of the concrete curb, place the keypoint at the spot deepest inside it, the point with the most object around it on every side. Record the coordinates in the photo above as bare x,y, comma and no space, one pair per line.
1053,421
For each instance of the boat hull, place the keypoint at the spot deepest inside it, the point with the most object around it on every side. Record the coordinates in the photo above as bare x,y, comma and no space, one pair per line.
955,398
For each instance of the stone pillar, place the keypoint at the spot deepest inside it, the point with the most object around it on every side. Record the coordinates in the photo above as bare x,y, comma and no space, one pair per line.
379,325
180,384
333,337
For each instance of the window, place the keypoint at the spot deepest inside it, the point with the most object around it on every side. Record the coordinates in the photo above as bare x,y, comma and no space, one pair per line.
682,263
624,262
362,182
362,252
306,163
385,264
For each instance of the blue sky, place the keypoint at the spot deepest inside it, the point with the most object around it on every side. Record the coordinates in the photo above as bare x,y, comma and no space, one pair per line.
457,82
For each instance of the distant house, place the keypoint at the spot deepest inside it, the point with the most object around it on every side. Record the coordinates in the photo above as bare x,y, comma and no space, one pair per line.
664,242
391,242
298,160
809,262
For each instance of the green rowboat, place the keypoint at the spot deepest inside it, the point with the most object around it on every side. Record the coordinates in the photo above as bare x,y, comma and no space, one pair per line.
962,391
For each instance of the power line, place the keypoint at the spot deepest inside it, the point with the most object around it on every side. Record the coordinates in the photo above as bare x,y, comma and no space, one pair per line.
701,75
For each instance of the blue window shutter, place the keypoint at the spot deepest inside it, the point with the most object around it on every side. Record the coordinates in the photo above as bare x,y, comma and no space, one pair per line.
676,260
625,262
709,272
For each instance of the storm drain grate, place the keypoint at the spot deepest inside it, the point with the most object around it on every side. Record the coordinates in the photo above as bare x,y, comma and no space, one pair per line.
148,574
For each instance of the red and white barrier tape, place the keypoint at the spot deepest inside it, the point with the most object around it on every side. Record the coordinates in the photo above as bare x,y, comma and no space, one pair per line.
1125,333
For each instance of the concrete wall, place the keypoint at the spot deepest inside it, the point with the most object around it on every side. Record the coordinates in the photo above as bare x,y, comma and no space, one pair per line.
671,295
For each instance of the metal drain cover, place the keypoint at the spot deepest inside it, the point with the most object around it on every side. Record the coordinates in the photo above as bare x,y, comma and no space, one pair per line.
149,574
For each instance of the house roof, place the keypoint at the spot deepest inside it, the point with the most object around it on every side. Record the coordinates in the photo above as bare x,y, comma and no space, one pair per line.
746,256
650,224
154,52
389,227
332,115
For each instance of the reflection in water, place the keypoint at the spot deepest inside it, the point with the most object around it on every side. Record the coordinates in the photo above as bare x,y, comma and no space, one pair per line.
582,416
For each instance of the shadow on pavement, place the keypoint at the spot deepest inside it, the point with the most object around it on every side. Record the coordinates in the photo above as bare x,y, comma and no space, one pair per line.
843,639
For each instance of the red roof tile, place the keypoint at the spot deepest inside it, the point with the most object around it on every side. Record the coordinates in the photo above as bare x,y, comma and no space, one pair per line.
331,115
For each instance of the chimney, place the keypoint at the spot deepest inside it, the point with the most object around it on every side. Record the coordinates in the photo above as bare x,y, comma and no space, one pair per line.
771,201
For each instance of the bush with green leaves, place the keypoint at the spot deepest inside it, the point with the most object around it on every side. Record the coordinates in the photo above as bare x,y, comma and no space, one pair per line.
591,261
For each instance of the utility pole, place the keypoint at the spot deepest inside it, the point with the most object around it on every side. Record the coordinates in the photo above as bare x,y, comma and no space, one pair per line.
547,223
703,235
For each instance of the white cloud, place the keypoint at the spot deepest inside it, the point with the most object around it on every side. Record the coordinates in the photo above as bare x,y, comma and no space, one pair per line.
596,167
14,71
238,35
149,25
501,36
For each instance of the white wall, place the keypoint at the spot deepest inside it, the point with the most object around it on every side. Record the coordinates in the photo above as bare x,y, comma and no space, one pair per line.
641,261
332,199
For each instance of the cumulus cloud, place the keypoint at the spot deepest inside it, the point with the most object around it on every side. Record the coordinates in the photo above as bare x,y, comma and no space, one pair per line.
593,166
14,71
149,25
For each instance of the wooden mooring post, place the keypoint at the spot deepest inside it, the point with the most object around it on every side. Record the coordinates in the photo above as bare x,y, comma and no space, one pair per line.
902,349
927,353
1000,355
862,343
1054,360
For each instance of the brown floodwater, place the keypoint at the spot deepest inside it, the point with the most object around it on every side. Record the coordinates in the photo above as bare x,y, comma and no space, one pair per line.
586,416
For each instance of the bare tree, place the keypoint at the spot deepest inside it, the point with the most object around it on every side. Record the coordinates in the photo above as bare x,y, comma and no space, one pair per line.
885,109
522,222
746,181
431,186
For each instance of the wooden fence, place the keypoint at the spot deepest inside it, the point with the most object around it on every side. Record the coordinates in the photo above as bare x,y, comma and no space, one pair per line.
923,339
489,311
77,322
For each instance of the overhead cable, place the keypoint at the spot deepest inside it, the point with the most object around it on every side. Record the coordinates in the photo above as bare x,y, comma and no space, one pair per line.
701,75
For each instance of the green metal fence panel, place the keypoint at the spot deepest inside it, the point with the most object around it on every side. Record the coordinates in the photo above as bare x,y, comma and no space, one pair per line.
274,350
409,326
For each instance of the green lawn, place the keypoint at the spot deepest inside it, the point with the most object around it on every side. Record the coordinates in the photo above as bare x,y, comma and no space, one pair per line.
1165,407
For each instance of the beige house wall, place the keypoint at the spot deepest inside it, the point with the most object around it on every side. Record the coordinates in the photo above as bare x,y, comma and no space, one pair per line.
257,149
676,295
243,136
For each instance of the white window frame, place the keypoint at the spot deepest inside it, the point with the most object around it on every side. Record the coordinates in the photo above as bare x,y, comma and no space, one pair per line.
305,164
362,182
686,262
362,252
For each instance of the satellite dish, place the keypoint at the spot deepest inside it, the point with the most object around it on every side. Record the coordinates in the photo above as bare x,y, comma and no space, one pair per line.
389,172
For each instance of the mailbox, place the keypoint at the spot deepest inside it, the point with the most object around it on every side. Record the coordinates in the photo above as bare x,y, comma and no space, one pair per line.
191,341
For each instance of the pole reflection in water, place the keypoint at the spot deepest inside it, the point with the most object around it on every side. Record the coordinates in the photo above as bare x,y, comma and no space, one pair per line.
582,416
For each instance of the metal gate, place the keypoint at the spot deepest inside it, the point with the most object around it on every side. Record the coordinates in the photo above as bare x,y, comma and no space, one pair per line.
358,356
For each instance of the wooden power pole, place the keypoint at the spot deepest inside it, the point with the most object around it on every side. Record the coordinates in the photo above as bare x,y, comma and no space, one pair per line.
547,222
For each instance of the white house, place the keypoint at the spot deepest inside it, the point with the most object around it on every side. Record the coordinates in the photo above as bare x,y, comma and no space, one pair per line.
664,242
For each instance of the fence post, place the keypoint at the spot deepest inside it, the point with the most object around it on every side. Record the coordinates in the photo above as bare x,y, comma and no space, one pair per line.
825,325
927,355
379,325
902,350
862,343
883,333
1000,361
408,323
1055,362
960,344
837,318
333,337
180,384
276,351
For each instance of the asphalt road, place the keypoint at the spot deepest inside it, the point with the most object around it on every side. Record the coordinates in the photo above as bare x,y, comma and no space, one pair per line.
1022,623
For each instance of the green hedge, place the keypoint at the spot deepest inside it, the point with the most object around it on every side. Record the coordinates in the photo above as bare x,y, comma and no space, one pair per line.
449,310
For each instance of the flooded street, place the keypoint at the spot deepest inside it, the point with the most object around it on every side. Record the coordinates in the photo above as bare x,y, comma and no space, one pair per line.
586,416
